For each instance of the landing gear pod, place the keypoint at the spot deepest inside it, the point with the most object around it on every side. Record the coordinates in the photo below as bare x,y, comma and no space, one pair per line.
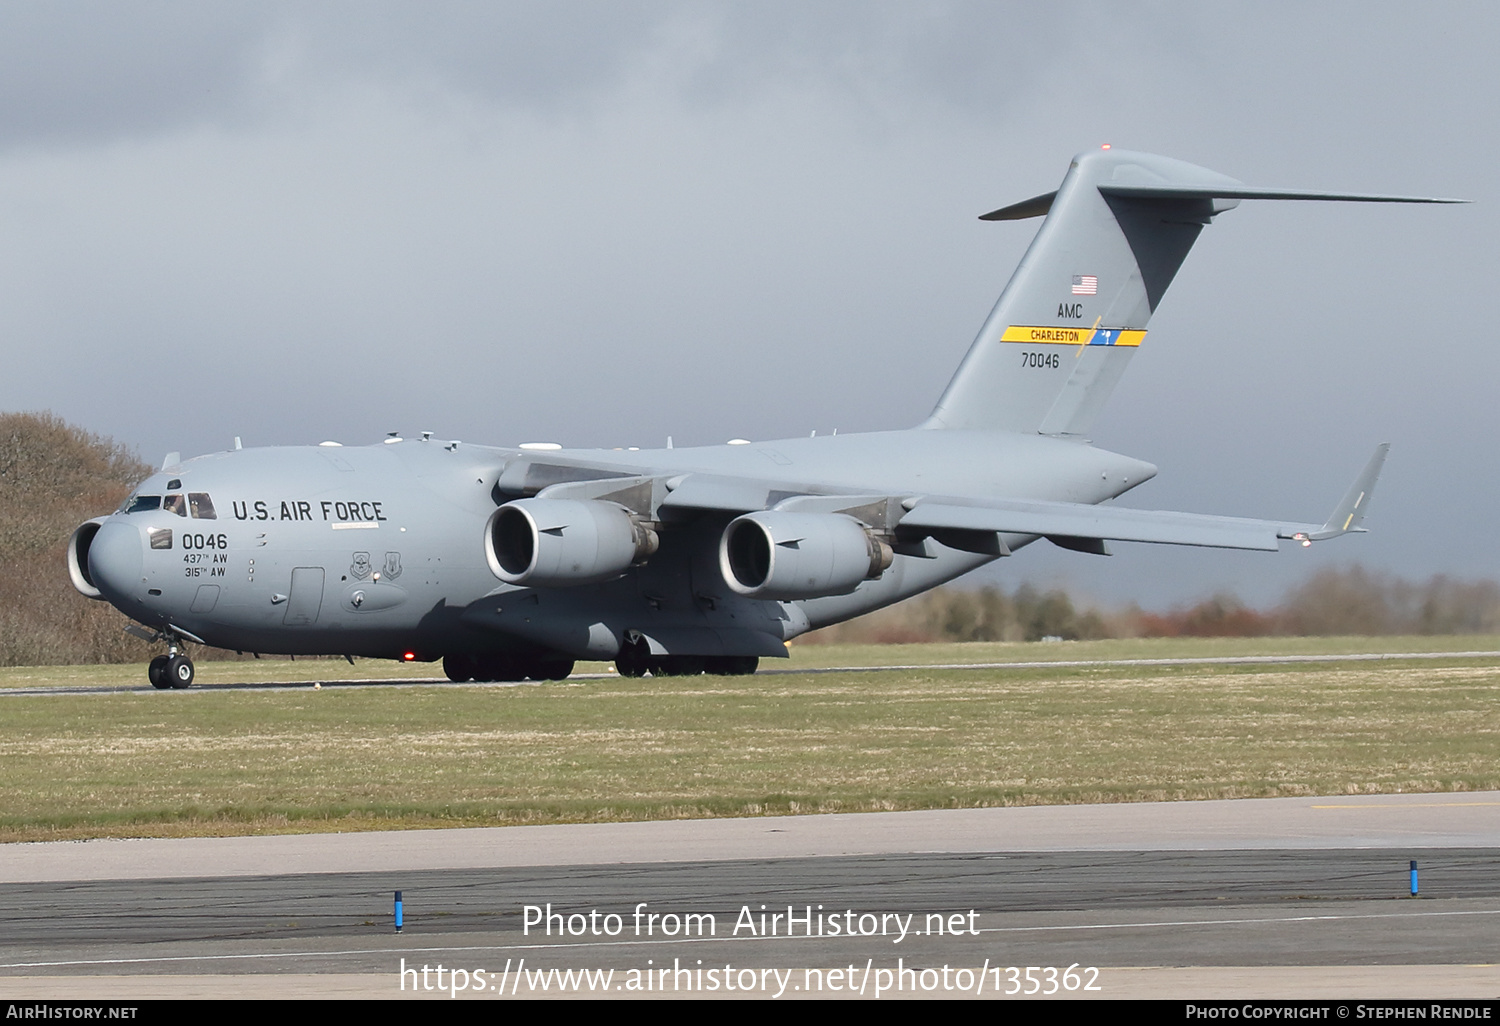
773,555
556,543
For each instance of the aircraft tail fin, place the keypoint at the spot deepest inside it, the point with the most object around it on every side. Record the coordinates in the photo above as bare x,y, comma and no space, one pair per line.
1060,336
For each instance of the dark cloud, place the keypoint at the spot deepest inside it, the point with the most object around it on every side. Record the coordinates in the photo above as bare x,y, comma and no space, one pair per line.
81,71
102,71
603,223
98,71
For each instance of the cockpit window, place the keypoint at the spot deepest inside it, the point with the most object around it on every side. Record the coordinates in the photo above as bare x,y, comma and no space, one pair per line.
141,504
202,506
175,504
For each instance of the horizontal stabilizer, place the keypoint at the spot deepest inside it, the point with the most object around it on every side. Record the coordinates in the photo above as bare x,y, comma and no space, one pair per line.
1243,192
1034,207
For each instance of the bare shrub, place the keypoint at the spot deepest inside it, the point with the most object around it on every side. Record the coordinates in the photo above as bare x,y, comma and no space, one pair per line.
53,477
1332,601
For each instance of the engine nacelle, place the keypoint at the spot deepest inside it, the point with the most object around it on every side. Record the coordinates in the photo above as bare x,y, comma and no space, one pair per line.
78,558
775,555
557,543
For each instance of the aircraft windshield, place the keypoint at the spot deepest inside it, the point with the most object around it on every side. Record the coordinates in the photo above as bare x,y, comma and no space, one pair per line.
198,505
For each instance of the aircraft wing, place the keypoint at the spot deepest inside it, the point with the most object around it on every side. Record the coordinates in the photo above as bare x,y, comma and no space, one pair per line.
977,524
1100,523
1075,521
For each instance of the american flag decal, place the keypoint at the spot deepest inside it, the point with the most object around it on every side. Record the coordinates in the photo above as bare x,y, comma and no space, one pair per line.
1085,285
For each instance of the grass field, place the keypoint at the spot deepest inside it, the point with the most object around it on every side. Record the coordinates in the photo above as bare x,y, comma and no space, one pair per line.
205,761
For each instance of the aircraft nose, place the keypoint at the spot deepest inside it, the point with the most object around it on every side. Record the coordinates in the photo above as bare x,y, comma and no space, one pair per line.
115,559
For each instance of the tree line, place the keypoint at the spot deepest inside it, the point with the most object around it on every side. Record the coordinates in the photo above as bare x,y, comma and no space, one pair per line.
1331,601
53,477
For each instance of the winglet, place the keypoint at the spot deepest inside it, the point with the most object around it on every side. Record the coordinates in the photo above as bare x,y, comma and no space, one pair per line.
1347,515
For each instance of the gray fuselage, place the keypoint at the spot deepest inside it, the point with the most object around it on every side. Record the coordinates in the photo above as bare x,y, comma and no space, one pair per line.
379,550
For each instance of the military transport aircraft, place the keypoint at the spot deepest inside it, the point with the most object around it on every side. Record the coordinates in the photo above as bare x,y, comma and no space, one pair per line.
513,563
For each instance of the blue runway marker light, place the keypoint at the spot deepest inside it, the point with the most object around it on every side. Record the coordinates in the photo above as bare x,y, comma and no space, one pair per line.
398,901
1413,878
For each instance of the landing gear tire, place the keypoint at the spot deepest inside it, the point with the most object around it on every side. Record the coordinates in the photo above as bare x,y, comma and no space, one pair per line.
634,659
551,669
499,668
677,666
731,666
179,672
157,672
460,668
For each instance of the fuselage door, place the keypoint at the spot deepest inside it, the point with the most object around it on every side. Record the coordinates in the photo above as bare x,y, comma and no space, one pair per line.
306,598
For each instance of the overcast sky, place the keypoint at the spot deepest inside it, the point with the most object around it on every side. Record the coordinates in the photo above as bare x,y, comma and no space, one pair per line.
601,223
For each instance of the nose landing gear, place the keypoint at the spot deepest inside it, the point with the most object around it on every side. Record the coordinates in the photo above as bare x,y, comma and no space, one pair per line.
173,670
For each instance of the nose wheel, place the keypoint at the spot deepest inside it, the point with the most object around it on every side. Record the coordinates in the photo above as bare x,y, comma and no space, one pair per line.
173,670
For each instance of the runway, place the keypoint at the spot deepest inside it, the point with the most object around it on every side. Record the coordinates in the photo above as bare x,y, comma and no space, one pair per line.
1281,897
771,668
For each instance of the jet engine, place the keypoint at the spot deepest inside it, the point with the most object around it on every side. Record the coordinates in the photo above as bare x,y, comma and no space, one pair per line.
775,555
78,558
556,543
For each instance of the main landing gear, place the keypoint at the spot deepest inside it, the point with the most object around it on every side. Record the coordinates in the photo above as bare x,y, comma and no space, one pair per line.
173,670
460,668
635,660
